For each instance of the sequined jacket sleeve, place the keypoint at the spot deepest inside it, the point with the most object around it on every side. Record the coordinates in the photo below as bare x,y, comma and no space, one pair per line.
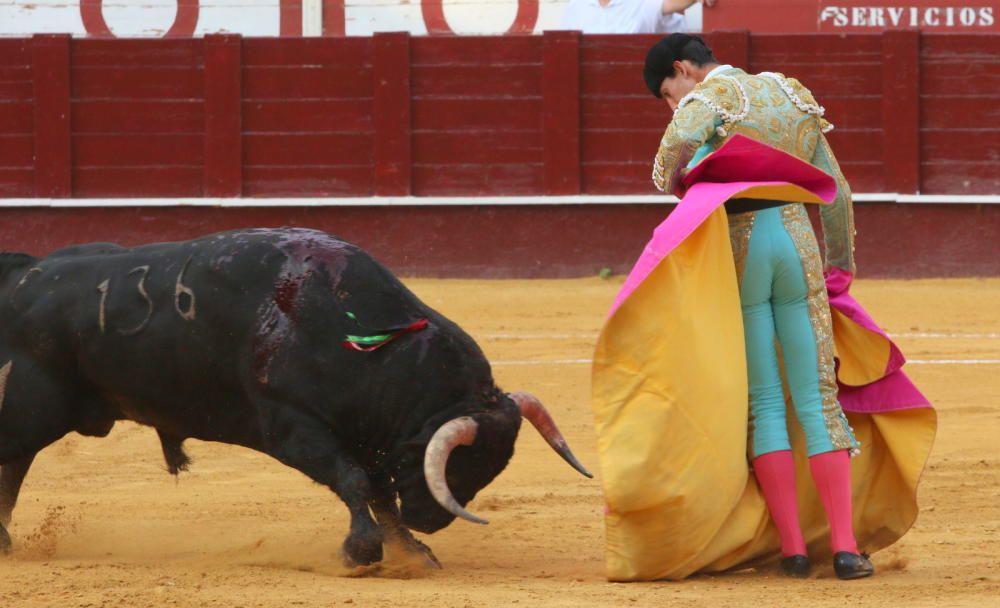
692,126
837,219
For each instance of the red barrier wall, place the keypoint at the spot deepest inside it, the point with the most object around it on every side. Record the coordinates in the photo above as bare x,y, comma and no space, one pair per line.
552,114
894,240
392,115
17,122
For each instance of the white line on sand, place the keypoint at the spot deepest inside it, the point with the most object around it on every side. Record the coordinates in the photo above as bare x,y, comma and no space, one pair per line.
954,361
937,334
580,336
588,362
541,362
437,201
992,335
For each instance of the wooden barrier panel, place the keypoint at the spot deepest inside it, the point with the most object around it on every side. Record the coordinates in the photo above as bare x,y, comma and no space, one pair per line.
901,110
308,119
223,174
561,123
17,118
621,121
960,113
137,117
392,107
458,116
53,159
478,110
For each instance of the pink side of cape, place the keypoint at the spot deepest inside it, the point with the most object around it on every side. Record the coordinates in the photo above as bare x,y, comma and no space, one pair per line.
699,203
756,164
894,391
739,165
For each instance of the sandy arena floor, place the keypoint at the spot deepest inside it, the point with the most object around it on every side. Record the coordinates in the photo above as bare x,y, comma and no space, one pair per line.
100,522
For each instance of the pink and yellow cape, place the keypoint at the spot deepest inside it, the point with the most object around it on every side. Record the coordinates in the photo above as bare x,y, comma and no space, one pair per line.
670,394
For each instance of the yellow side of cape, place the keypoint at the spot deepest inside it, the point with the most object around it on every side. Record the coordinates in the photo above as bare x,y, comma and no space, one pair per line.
670,403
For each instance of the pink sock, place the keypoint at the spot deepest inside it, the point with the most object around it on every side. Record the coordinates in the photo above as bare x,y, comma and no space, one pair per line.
775,473
832,473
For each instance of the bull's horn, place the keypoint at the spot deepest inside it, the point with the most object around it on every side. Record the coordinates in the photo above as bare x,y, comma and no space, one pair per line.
534,412
460,431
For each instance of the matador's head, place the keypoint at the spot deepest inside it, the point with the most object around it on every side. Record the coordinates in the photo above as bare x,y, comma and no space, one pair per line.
675,65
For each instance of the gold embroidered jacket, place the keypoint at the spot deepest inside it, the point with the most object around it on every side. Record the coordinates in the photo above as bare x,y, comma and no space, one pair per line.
770,108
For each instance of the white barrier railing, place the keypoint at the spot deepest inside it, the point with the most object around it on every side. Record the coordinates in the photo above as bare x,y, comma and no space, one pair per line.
450,201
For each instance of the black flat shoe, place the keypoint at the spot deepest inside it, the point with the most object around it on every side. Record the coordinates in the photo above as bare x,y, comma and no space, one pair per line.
796,566
851,565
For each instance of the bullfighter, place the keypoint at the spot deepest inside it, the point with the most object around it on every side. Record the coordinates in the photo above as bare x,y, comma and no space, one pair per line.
770,288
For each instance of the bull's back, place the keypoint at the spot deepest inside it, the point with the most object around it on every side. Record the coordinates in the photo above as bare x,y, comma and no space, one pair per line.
194,336
169,318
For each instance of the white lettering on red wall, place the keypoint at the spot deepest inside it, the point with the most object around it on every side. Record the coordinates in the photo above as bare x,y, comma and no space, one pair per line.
854,16
926,17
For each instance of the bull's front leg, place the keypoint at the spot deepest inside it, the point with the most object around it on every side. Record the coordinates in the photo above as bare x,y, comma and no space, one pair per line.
306,444
383,505
363,544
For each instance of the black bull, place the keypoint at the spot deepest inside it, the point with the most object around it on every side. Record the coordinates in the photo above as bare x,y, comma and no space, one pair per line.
251,338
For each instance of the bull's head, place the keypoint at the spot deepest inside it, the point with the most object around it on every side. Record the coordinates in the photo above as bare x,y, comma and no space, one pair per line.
488,437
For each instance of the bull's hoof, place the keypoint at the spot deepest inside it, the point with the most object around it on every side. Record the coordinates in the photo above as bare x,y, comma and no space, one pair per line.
4,541
422,551
361,551
402,544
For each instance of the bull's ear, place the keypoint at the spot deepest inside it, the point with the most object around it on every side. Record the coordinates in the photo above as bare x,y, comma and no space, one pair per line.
410,449
498,405
11,262
418,442
498,428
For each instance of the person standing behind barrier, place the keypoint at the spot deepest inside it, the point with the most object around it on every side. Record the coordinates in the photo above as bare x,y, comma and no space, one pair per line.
782,291
627,16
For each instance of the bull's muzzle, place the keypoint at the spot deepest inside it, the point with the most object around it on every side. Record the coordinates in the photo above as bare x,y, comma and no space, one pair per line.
462,431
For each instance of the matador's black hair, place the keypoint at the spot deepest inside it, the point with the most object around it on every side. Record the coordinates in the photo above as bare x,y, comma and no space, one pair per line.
674,47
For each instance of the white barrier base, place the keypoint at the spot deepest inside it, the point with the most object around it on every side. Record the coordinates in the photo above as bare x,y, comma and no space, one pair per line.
446,201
